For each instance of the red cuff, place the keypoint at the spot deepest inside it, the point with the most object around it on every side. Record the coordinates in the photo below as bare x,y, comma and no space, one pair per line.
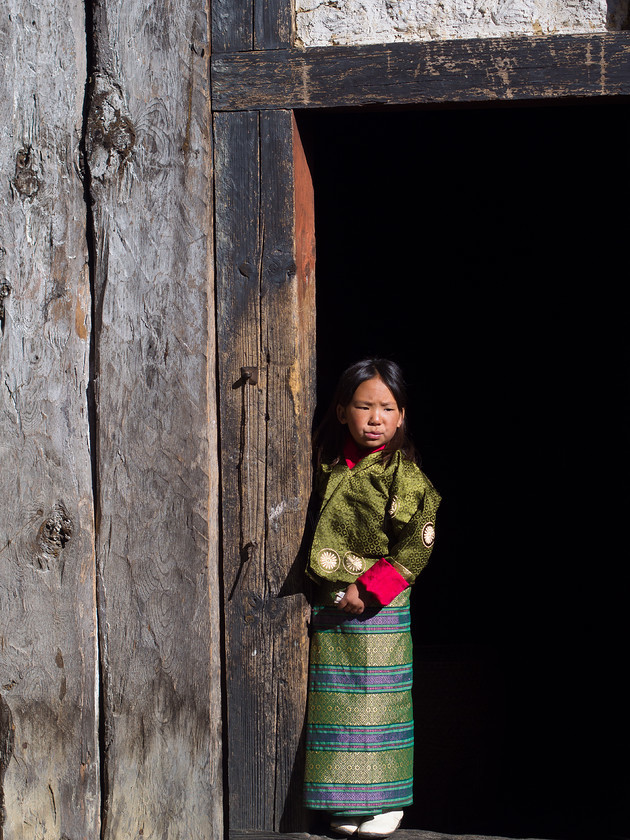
383,582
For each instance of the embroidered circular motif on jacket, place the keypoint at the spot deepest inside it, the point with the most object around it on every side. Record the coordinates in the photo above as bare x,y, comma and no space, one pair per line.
393,506
353,564
328,559
428,534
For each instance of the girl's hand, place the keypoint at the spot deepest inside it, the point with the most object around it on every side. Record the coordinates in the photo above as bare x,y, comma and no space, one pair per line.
354,601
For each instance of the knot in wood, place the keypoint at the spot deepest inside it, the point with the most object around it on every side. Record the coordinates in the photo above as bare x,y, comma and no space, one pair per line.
111,135
26,181
55,531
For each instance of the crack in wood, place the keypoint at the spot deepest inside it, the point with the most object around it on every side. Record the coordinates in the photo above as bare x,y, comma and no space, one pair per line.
7,738
5,291
89,133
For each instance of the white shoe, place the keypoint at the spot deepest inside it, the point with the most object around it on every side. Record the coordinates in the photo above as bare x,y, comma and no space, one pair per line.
345,825
381,825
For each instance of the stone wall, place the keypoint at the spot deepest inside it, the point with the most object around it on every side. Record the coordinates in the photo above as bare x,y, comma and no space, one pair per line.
347,22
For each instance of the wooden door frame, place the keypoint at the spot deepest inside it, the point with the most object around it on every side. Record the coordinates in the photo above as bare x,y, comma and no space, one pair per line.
264,226
458,71
265,335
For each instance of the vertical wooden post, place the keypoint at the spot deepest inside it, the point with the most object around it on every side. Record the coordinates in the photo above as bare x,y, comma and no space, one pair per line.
49,761
265,291
266,325
149,154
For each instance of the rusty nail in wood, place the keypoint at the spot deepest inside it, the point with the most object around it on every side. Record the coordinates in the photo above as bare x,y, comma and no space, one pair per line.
250,374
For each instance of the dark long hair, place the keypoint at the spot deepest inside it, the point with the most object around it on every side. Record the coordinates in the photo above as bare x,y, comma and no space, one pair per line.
330,435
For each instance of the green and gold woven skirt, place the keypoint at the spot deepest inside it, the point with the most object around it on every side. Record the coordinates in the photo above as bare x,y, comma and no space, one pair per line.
359,737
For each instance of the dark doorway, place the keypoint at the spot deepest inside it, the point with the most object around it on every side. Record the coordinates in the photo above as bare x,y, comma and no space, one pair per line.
484,249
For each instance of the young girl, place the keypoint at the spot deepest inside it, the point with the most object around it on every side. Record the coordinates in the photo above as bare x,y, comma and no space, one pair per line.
374,535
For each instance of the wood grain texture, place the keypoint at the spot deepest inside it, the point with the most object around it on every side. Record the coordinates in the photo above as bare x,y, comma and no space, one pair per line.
273,24
266,320
429,72
49,761
251,24
149,154
232,25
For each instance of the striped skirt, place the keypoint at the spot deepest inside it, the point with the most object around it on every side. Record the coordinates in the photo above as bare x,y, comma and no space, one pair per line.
359,737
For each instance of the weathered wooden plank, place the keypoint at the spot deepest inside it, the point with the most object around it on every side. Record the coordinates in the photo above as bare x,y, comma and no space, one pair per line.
232,25
149,154
49,760
288,336
251,24
429,72
238,254
266,321
273,24
250,734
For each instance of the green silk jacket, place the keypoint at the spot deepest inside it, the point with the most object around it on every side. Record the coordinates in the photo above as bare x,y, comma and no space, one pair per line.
373,512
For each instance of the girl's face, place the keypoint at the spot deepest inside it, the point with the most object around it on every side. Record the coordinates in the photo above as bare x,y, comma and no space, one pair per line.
372,415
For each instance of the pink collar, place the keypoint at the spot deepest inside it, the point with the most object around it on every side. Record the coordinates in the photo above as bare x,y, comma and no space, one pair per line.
353,453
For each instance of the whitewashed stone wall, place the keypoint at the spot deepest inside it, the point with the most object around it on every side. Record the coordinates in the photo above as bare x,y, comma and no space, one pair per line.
345,22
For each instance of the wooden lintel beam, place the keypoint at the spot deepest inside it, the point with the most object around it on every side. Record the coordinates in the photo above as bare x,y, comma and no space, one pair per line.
477,70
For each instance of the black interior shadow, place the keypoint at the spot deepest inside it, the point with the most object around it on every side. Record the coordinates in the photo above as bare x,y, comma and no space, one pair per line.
481,248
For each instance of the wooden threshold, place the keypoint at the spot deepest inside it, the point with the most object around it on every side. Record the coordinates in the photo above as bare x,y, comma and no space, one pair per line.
401,834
